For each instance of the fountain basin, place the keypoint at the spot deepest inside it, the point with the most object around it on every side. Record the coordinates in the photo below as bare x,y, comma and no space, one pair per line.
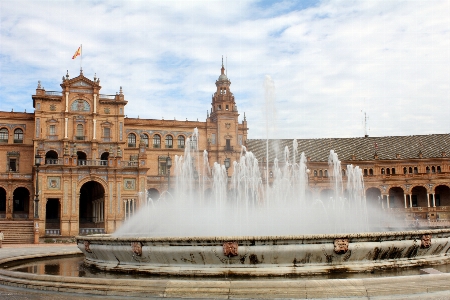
266,255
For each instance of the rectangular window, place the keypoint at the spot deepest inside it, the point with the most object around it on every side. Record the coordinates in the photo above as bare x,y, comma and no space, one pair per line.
228,145
107,132
52,129
12,165
120,130
213,139
162,169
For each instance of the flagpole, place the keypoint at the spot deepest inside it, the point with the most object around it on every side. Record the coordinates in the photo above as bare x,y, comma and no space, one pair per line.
81,60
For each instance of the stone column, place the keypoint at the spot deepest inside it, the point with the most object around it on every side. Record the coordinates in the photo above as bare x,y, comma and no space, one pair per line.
387,201
95,128
66,122
95,103
428,199
67,101
410,200
404,196
434,200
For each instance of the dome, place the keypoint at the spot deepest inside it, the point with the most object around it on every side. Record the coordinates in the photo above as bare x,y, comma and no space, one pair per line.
223,77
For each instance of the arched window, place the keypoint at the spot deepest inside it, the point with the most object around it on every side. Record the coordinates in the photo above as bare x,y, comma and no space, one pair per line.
343,172
382,171
156,141
3,135
320,173
80,132
315,173
18,136
326,173
131,140
169,141
433,169
405,170
181,140
410,170
51,157
439,169
388,171
415,170
428,169
371,172
393,171
365,172
144,138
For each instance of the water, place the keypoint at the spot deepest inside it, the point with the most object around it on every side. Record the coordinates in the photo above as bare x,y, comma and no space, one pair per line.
204,201
73,266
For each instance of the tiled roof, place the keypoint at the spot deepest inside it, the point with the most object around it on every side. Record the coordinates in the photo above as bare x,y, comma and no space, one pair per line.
363,148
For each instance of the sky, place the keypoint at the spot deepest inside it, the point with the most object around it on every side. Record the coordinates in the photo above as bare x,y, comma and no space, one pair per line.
302,69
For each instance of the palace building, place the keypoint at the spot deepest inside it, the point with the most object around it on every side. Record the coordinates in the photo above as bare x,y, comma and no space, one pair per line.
96,161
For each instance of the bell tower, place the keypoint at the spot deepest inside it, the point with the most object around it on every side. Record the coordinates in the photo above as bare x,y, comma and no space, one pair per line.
225,134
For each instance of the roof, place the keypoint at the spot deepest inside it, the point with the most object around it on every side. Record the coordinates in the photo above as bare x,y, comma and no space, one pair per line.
363,148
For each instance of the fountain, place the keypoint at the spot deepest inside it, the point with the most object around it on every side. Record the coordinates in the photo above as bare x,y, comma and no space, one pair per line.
241,226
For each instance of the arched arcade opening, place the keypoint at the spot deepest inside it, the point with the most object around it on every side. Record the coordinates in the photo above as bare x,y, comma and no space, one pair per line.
92,208
21,203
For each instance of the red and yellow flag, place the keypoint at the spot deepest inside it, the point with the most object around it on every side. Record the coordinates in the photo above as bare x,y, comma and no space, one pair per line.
77,53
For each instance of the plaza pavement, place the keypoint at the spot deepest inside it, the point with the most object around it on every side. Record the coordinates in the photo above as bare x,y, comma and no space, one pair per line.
18,286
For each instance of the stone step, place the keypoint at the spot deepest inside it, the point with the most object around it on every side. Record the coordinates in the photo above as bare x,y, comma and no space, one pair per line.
17,232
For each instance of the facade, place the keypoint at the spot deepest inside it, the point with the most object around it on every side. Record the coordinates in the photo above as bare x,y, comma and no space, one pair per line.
96,161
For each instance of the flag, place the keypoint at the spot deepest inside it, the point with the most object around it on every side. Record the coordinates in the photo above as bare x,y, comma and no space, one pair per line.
77,53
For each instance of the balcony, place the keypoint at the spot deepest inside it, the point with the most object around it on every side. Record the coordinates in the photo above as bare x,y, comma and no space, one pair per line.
157,146
228,148
18,141
131,145
80,138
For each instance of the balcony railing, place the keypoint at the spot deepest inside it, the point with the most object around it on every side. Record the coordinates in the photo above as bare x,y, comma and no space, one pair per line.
228,148
52,231
80,138
92,162
18,141
130,164
53,161
157,146
53,93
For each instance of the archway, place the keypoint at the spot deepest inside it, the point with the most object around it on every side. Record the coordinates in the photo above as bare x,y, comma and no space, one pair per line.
2,203
373,197
396,198
81,158
51,157
104,158
153,194
419,196
53,217
21,203
92,208
442,195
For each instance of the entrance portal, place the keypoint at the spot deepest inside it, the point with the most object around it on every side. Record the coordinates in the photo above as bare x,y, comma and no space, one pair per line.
52,217
92,208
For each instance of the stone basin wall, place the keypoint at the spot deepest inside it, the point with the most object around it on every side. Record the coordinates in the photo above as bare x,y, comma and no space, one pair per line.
267,255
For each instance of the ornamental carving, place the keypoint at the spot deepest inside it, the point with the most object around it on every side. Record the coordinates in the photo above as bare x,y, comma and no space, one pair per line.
426,241
230,249
136,247
340,246
87,246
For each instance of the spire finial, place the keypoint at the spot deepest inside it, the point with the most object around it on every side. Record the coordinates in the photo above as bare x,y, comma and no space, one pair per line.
222,61
81,71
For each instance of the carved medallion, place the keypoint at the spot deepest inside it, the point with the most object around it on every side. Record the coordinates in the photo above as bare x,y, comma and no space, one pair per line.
87,246
426,241
230,249
137,248
340,246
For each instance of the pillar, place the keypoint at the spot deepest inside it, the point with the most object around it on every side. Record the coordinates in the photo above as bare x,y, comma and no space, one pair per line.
387,201
428,199
404,197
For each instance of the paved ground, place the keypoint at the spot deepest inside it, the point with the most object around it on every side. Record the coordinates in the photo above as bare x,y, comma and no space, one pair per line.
11,293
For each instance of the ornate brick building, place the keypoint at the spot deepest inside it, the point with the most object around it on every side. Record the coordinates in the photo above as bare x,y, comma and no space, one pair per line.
96,160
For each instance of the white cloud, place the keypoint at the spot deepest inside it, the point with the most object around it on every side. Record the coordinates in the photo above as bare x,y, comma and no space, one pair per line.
329,60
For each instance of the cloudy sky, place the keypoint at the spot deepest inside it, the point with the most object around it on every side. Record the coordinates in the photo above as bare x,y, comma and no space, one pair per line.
329,61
